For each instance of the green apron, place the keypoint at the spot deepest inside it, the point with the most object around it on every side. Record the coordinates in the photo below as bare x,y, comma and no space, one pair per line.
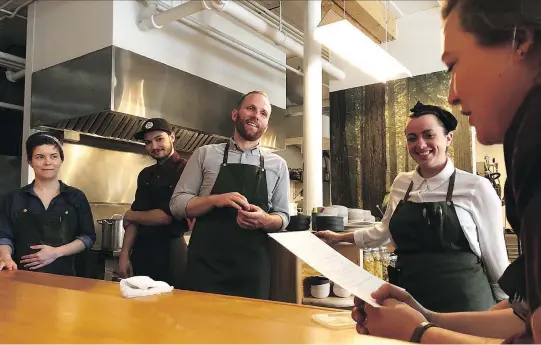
224,258
48,228
160,257
435,262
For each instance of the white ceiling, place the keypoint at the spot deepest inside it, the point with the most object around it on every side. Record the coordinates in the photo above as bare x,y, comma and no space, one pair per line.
293,10
404,7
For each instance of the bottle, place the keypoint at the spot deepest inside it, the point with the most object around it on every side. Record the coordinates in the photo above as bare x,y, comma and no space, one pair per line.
315,213
368,261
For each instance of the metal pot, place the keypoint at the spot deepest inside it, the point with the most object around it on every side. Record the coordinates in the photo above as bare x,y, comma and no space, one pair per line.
112,232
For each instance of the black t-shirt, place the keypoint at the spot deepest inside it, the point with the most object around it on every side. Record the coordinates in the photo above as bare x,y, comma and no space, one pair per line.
155,186
80,223
522,150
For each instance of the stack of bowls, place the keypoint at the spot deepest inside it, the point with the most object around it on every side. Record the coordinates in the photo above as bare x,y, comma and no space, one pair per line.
299,223
332,223
356,215
337,210
340,291
320,286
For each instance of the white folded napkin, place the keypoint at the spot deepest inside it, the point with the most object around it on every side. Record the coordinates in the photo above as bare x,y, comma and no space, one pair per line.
139,286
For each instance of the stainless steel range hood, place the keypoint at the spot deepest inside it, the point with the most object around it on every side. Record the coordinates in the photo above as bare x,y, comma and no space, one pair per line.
110,92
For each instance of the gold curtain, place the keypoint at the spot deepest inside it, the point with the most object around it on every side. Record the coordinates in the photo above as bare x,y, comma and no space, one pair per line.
401,96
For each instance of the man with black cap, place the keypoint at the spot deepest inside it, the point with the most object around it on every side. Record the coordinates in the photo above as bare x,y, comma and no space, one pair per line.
154,245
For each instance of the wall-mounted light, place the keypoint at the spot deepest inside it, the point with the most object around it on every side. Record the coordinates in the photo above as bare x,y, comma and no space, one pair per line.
352,45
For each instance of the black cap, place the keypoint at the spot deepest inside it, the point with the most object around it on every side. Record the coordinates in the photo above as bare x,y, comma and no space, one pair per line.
155,124
449,121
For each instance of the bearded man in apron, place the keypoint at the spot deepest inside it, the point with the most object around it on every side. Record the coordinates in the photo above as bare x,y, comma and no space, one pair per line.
238,195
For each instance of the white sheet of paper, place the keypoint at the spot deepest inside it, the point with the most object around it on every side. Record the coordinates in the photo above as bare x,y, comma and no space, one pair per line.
333,265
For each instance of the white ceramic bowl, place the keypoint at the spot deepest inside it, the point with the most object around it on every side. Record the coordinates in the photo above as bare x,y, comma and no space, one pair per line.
355,214
330,211
340,291
320,291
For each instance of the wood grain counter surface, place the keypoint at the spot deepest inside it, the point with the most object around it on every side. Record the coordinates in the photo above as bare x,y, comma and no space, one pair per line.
44,308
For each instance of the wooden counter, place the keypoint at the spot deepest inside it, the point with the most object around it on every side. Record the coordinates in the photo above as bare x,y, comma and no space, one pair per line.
43,308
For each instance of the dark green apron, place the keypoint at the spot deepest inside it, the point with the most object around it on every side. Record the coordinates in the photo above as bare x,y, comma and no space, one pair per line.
160,258
160,252
435,262
224,258
49,228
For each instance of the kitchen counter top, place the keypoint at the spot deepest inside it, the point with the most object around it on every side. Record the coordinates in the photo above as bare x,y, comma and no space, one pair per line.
44,308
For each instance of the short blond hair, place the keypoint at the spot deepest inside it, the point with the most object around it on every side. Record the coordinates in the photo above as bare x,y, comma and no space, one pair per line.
241,100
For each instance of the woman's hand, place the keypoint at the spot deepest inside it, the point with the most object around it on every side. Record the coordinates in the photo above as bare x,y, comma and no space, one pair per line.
328,237
44,257
387,291
394,319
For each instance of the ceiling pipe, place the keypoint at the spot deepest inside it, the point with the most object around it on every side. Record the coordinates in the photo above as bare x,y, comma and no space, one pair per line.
14,76
259,25
224,38
11,106
158,20
239,13
17,61
12,14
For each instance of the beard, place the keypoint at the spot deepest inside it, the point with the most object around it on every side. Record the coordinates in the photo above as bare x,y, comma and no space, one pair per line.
163,154
241,129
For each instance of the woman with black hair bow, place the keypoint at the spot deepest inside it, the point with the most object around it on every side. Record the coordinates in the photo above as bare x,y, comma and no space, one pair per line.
446,224
44,224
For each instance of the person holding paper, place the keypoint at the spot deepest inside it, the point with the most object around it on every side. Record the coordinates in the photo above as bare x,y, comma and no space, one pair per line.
238,195
495,66
446,224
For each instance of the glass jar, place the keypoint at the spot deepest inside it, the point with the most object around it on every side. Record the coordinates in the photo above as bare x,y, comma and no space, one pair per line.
368,261
378,264
385,262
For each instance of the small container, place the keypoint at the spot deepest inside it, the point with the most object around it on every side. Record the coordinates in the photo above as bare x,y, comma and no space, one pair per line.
368,261
386,261
340,291
320,287
378,263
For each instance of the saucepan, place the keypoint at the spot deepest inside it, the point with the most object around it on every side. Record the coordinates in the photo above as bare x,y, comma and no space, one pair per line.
112,232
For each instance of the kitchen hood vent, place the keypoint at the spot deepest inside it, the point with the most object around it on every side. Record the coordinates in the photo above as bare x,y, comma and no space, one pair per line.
109,94
123,127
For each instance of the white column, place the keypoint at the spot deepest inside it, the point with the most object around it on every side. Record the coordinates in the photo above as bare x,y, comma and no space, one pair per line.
27,174
312,124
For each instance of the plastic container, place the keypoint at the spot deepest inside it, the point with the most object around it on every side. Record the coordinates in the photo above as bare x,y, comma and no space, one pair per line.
340,320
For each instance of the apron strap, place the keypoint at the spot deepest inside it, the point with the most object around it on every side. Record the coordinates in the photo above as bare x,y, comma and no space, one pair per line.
451,187
226,153
406,197
261,160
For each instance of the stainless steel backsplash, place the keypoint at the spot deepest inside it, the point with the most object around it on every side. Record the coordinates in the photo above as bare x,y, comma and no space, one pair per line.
107,176
104,175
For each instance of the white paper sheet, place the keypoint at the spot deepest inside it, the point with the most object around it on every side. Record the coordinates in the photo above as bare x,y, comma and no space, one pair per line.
333,265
